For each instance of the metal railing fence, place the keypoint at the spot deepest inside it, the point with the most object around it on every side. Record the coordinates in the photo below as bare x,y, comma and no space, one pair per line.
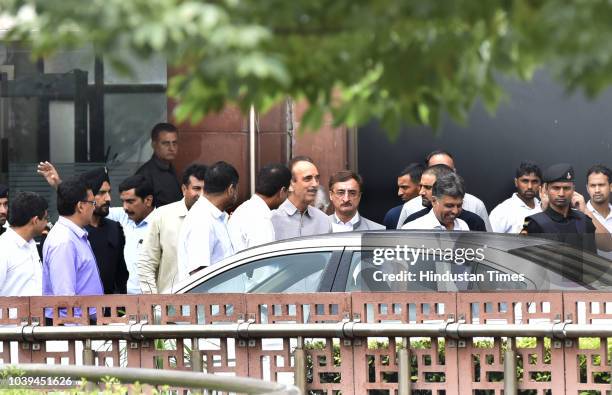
354,343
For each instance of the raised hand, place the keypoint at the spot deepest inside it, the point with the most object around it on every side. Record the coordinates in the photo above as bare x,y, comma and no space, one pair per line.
48,171
578,202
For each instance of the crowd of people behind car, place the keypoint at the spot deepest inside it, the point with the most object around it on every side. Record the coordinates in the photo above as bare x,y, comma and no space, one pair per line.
168,228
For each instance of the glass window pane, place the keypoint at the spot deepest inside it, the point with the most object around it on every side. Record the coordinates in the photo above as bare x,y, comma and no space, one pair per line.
287,273
128,119
66,61
144,71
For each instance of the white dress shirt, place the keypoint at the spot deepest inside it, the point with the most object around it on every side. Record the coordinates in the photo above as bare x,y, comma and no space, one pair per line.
606,222
339,226
134,238
430,221
509,216
20,266
470,203
250,224
204,239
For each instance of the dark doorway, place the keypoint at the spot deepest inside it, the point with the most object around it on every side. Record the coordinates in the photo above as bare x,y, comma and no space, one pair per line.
539,122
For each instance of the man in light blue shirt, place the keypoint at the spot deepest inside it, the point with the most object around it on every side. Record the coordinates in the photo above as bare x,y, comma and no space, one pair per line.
69,265
204,238
136,194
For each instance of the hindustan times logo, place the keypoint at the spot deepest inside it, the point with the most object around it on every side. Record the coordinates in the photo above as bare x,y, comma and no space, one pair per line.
412,255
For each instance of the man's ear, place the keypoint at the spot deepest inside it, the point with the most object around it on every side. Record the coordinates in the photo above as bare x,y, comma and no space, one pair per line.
148,201
516,182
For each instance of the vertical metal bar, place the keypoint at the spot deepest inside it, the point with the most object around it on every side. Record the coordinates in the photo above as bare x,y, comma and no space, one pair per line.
510,384
88,353
252,158
95,98
89,358
81,137
299,361
196,356
404,368
43,140
289,126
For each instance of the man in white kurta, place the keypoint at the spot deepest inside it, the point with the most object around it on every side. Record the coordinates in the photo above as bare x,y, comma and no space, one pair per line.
250,224
509,216
204,238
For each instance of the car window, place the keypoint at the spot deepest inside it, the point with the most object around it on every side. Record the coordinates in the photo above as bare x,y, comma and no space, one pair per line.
300,272
568,267
433,274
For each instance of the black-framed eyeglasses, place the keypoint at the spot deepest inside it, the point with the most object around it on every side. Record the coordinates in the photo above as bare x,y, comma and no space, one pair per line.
93,202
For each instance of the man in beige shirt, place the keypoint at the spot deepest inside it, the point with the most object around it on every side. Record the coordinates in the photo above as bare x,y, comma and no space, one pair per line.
157,262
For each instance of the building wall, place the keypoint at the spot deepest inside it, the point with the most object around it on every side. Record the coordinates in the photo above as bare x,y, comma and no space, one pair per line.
225,136
327,147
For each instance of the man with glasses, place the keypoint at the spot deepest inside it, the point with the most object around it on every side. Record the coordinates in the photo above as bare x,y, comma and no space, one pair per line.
20,266
345,188
105,235
158,170
69,265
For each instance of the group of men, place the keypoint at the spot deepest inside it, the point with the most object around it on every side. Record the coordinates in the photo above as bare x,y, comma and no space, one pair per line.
435,198
167,229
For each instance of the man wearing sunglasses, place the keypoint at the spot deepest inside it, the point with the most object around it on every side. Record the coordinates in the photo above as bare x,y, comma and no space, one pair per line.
345,189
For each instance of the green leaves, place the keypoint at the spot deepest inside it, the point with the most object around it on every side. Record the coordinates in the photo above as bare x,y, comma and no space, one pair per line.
398,62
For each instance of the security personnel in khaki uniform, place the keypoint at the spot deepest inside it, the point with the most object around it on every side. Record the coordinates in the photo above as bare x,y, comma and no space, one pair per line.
560,221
